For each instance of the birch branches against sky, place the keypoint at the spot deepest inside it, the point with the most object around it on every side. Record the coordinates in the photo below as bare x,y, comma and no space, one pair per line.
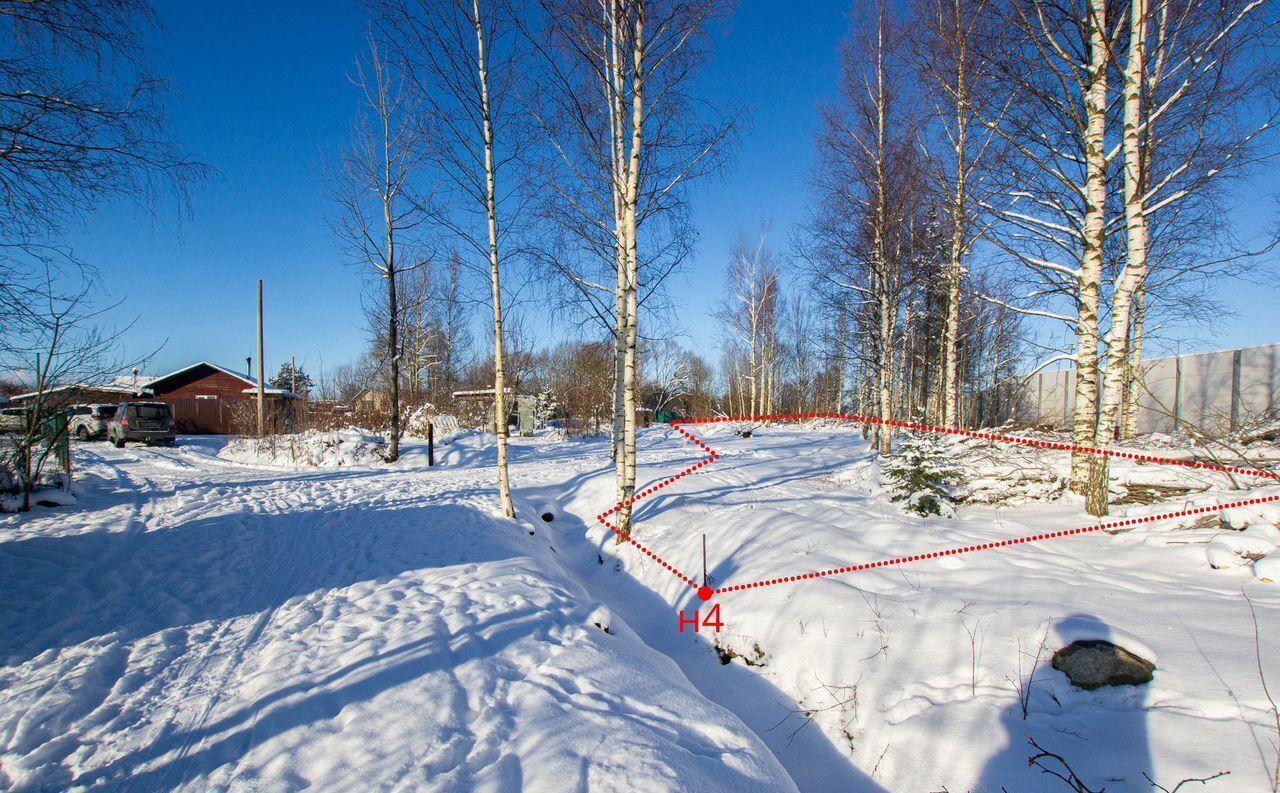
625,134
986,170
1073,158
461,57
562,135
379,213
1163,155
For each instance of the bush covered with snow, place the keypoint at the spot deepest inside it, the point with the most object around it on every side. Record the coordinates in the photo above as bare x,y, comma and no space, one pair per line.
313,448
445,425
922,474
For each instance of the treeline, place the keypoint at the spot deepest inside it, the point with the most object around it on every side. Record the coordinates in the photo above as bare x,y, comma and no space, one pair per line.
990,173
544,147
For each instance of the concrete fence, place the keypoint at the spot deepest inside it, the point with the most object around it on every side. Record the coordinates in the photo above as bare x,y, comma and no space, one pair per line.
1215,392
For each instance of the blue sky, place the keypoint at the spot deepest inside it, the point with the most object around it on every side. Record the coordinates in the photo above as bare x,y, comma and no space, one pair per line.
261,94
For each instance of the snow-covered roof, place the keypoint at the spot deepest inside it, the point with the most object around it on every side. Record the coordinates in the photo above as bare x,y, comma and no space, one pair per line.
273,391
479,392
109,388
251,381
132,381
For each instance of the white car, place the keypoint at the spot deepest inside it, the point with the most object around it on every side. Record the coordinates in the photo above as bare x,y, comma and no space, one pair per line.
86,422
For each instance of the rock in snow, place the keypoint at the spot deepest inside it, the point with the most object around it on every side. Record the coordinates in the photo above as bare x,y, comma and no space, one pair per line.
1094,663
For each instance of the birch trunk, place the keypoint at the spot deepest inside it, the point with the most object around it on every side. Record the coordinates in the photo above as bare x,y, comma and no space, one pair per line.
1088,471
1129,413
630,201
754,368
393,340
1134,272
884,438
393,309
955,269
614,92
841,341
491,205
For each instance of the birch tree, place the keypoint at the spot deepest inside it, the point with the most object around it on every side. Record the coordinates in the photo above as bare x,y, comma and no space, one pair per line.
956,74
1053,214
863,184
378,211
625,137
1197,111
82,121
1191,112
462,57
749,316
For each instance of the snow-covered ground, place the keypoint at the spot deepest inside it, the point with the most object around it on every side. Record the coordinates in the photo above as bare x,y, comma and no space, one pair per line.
194,623
202,620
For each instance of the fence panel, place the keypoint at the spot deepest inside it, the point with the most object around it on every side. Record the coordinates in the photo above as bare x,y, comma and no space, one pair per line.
1214,392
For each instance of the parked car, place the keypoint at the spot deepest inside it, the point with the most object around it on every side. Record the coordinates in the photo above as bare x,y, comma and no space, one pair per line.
13,419
148,422
89,421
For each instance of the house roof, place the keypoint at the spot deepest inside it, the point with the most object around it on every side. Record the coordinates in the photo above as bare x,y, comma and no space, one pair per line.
479,392
250,381
145,385
106,388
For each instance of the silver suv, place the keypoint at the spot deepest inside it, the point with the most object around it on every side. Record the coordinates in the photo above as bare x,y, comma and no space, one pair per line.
85,422
149,422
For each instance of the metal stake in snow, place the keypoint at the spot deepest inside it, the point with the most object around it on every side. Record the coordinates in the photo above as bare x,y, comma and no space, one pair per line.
704,559
262,370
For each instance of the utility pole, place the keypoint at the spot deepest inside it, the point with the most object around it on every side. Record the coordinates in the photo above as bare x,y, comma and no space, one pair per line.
262,396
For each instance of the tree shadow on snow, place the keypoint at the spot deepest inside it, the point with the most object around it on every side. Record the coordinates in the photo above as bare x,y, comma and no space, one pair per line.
203,749
713,493
1101,734
62,591
813,761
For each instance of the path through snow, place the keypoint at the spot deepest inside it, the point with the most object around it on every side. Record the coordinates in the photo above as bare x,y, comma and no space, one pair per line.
195,623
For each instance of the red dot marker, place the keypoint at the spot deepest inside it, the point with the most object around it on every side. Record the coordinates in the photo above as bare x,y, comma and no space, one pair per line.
705,593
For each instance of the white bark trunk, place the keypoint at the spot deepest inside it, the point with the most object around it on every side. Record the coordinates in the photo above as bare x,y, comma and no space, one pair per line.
491,205
955,269
1084,476
630,202
1129,414
1134,272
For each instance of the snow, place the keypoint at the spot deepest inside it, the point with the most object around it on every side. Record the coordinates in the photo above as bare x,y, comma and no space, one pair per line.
313,448
198,623
1267,569
205,619
1234,549
910,673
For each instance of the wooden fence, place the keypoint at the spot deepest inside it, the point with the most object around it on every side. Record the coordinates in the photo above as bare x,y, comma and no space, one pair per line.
230,416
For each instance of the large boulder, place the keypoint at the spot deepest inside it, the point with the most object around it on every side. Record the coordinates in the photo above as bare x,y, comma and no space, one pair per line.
1094,663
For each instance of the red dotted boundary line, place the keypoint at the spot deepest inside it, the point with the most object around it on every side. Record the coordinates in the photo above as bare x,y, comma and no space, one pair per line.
987,436
713,456
993,545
